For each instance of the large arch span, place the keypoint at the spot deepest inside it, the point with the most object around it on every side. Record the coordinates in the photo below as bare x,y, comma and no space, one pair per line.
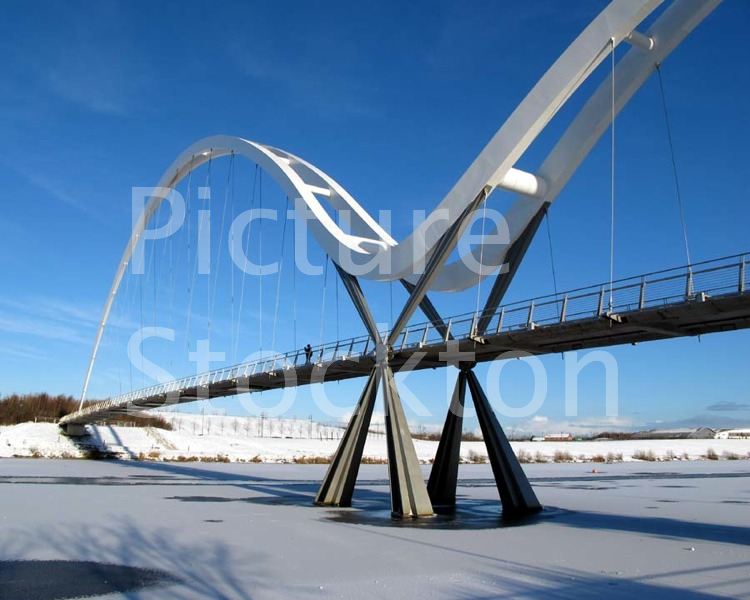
492,169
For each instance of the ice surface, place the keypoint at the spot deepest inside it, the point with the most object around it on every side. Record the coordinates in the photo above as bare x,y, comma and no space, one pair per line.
634,529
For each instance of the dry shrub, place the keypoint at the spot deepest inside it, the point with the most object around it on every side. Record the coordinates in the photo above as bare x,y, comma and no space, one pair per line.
711,454
644,455
311,460
524,457
219,458
561,456
540,458
476,457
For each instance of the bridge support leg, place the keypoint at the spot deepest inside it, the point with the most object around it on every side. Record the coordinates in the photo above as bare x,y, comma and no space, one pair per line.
444,474
516,494
409,497
338,485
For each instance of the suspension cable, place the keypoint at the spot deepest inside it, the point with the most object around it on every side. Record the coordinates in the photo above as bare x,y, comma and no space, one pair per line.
390,288
294,279
612,192
323,304
212,302
231,269
674,165
244,274
481,255
551,256
191,287
278,285
260,264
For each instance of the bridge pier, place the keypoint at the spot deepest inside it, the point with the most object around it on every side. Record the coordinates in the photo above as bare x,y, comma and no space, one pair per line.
444,474
74,429
338,485
516,494
409,497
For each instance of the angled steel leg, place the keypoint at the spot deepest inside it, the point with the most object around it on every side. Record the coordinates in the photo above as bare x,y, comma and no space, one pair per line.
409,496
429,310
513,259
516,495
338,485
440,254
444,473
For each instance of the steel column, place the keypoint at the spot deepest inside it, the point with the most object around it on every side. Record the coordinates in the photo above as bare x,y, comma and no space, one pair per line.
338,485
409,497
444,473
516,494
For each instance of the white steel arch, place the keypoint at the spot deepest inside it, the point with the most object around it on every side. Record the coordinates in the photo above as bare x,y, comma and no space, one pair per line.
492,169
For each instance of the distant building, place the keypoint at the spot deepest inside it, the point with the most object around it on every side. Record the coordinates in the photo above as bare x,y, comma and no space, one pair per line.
733,434
701,433
555,437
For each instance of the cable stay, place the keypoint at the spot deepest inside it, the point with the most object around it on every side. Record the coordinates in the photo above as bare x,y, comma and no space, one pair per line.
231,270
674,166
552,260
294,281
278,285
612,191
194,268
323,303
244,274
481,256
212,301
260,263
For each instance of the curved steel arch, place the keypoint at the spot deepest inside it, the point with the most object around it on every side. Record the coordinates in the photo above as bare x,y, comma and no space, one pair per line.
299,180
492,168
667,32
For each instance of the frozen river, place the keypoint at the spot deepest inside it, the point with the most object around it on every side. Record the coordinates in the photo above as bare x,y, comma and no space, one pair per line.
73,528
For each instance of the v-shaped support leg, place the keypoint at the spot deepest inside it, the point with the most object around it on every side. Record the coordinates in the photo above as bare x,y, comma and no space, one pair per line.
409,496
444,473
516,494
338,485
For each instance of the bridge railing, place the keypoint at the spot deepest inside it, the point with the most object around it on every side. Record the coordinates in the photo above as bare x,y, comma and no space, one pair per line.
662,288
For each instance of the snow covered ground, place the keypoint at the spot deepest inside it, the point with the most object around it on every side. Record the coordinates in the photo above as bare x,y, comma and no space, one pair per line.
674,530
273,440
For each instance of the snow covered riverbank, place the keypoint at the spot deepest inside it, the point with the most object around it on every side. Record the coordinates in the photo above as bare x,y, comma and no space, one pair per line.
239,439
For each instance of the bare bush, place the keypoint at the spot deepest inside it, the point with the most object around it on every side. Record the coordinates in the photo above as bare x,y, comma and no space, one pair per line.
647,455
561,456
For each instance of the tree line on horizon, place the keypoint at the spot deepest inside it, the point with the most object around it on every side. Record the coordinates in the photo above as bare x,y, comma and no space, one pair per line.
31,408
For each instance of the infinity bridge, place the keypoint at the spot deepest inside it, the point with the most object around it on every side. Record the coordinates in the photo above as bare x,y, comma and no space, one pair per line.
709,297
693,300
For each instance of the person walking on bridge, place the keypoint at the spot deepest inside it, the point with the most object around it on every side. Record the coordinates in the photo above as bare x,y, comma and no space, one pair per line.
308,353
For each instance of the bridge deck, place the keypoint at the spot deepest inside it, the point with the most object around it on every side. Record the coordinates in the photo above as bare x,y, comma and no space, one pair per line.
706,298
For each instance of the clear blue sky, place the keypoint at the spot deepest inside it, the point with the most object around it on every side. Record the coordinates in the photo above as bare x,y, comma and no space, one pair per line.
393,100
